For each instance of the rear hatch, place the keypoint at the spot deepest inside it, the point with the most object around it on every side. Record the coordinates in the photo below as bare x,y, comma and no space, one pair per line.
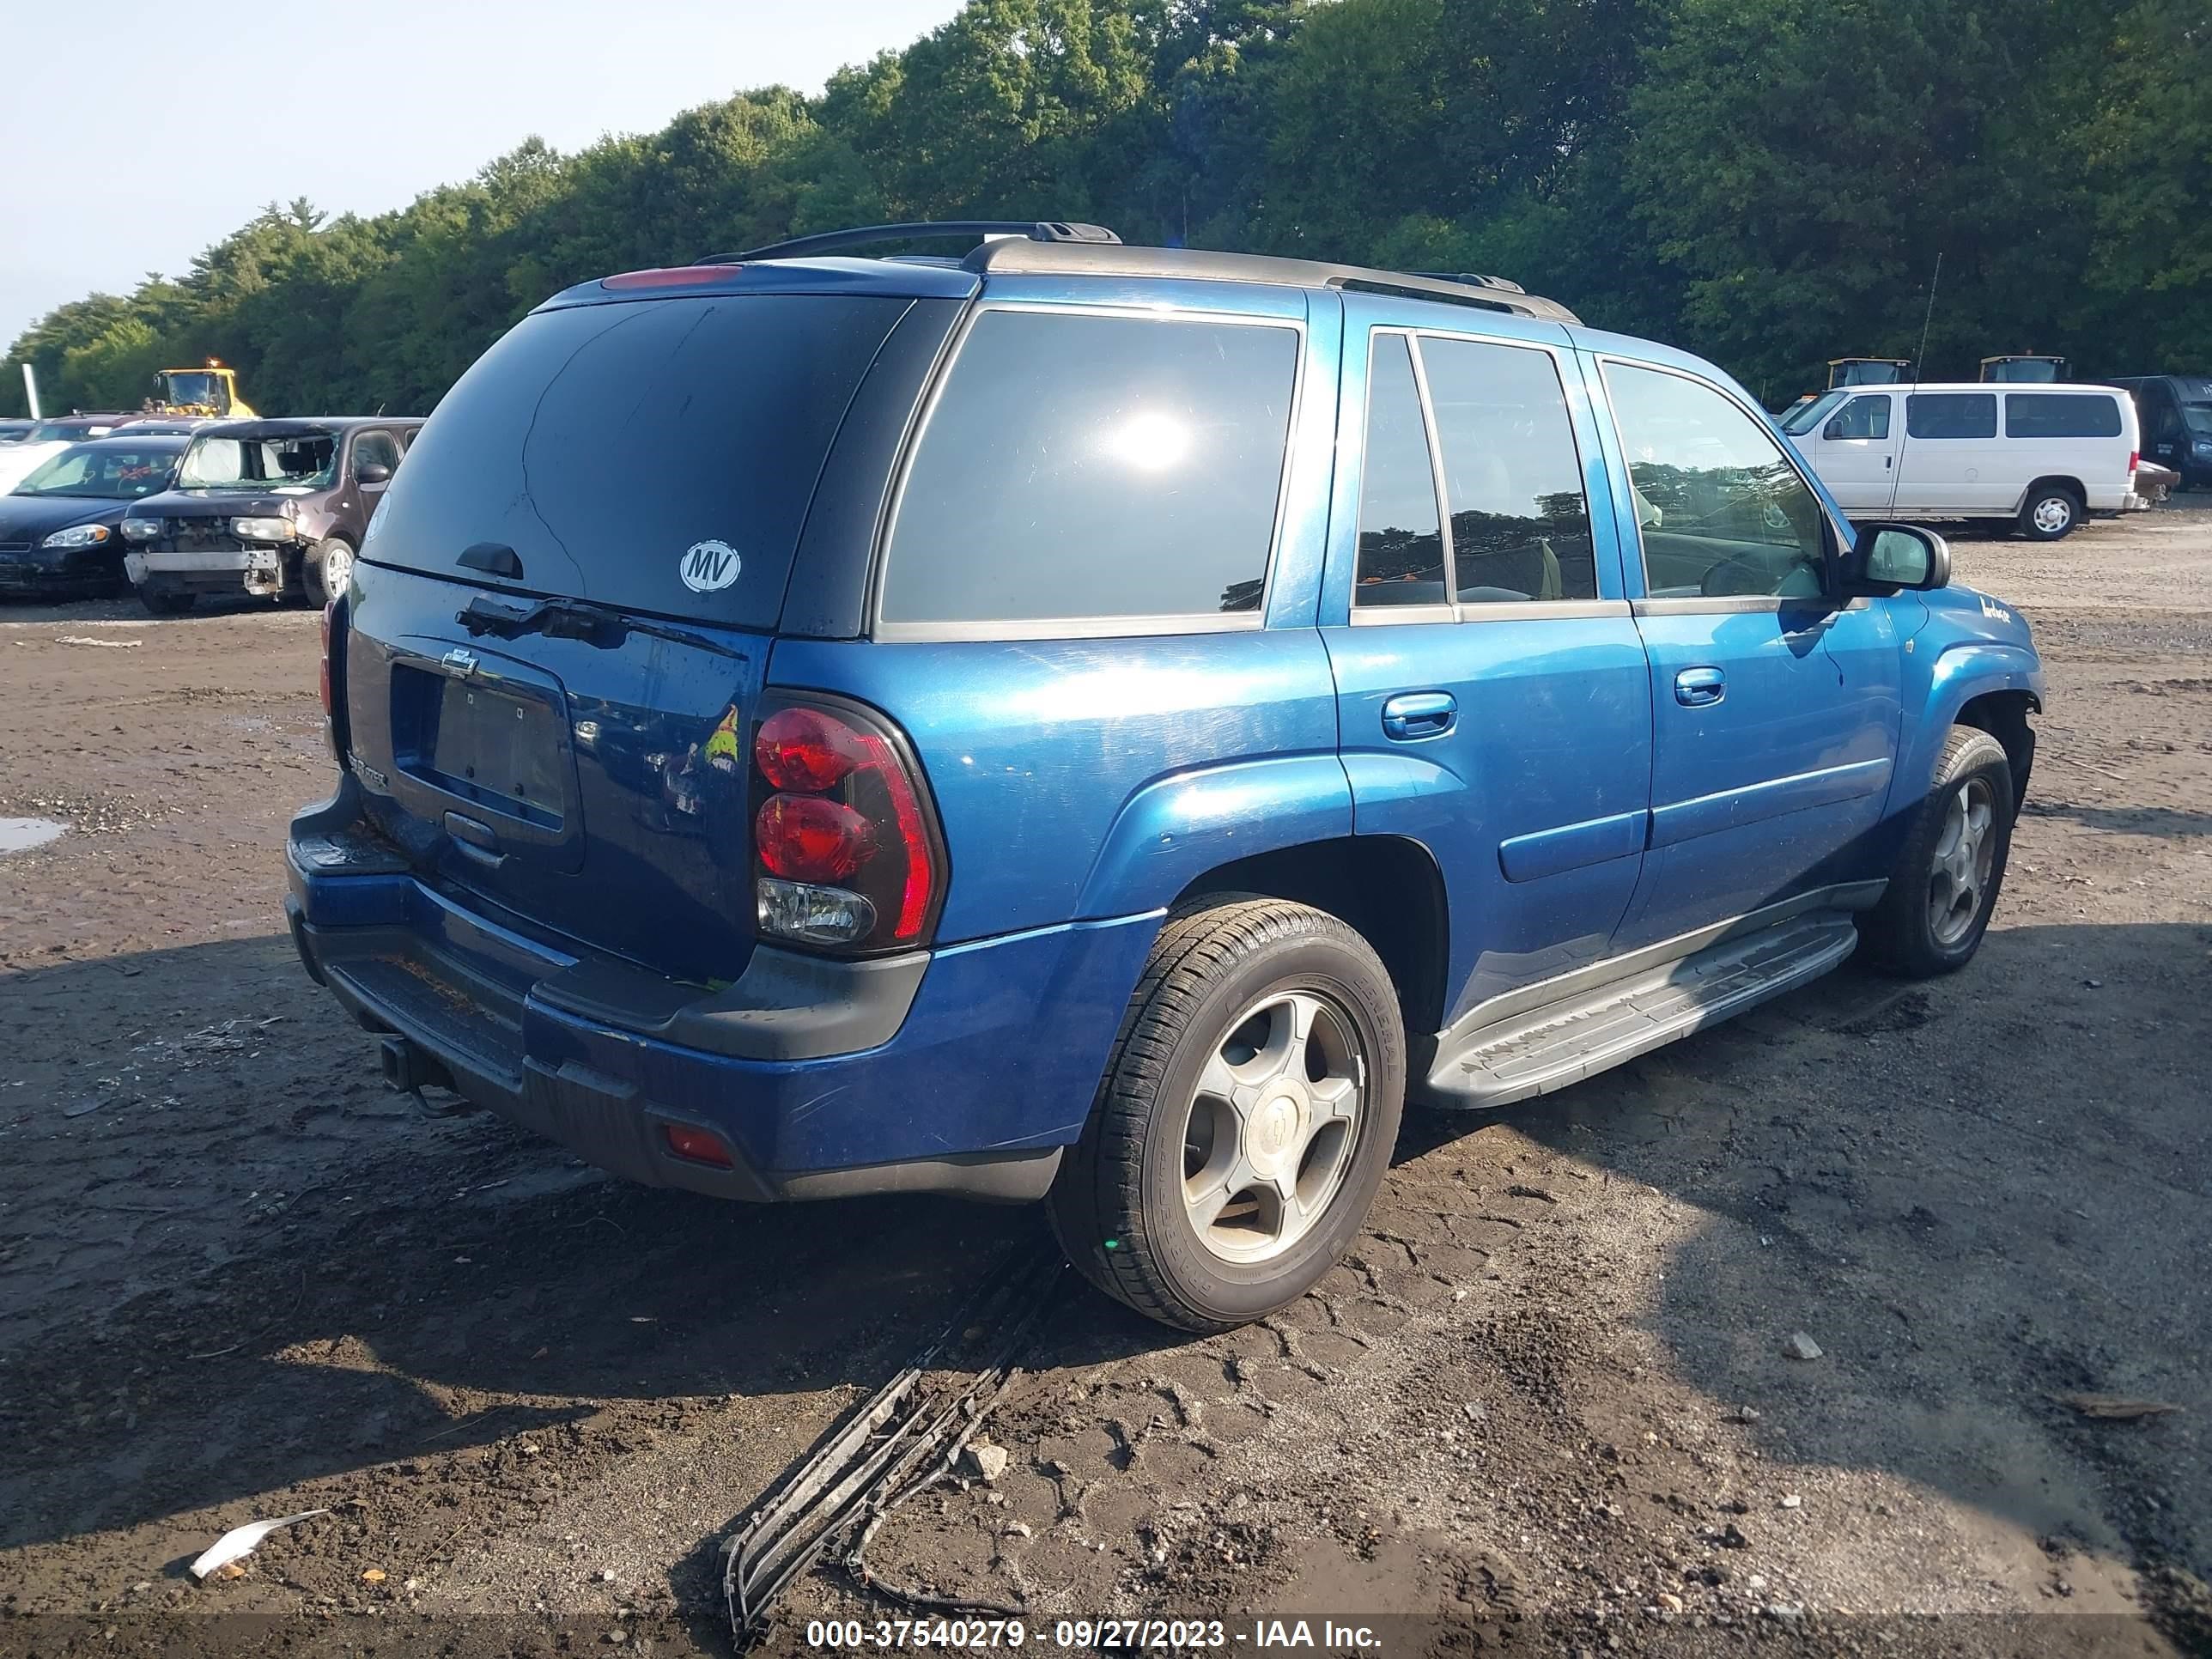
562,610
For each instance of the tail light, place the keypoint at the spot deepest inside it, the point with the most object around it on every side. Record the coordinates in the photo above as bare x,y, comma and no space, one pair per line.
846,850
327,610
2134,460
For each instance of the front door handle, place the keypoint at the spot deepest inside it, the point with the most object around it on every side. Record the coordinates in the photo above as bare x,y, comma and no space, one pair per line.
1416,714
1700,688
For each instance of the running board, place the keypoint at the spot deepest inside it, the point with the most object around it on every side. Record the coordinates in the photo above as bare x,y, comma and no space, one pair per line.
1541,1049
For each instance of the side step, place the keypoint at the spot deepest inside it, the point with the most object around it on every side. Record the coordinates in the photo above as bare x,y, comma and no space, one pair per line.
1535,1052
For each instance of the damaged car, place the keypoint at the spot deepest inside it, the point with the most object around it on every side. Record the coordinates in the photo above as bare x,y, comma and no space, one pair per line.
275,508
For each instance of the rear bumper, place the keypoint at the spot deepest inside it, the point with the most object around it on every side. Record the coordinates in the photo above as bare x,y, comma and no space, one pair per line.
972,1065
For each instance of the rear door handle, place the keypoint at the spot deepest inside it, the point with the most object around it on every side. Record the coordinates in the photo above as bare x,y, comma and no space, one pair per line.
1700,688
1416,714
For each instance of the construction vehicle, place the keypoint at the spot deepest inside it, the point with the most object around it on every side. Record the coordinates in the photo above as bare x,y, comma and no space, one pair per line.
211,390
2035,370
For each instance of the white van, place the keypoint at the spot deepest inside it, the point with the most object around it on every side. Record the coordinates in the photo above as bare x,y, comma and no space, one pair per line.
2041,457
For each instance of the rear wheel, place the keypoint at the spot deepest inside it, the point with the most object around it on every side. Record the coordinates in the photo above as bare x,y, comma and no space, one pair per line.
326,570
167,604
1246,1118
1944,885
2050,512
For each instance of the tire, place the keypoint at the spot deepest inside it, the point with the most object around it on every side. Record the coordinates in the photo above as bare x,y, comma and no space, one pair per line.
2051,513
325,556
1221,978
167,604
1904,933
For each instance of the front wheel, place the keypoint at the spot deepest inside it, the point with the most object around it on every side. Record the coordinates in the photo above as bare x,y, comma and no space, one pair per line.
1247,1116
2050,512
1944,885
326,571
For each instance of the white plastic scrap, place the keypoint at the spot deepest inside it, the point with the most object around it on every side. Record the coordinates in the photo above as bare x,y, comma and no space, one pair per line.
241,1540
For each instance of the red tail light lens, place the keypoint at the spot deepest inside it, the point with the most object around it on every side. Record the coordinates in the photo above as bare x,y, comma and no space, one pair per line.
2134,459
806,750
806,838
844,841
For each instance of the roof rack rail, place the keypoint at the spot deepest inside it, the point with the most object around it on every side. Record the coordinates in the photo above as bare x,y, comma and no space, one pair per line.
1472,278
829,241
1483,292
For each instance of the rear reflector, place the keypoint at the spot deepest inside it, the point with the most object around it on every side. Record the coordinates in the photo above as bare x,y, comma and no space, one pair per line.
699,1145
670,277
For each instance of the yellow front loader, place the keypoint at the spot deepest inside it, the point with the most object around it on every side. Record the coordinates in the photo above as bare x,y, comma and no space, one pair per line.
212,389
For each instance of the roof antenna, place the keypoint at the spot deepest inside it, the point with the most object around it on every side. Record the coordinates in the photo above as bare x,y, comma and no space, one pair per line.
1904,438
1929,319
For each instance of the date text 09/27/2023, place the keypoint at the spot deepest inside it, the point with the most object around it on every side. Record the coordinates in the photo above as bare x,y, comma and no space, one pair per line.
1133,1635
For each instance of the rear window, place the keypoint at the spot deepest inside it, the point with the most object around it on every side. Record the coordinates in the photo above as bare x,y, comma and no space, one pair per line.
1095,468
657,456
2058,414
1951,414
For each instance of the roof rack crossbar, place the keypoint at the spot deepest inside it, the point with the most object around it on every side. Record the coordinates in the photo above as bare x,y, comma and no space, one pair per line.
829,241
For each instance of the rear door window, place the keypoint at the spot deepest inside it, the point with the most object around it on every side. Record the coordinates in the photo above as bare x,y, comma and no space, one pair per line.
1401,544
1951,414
1084,468
2062,414
1520,523
656,456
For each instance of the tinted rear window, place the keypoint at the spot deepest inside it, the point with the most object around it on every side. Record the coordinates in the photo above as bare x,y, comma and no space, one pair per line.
1096,467
2060,414
1951,414
657,456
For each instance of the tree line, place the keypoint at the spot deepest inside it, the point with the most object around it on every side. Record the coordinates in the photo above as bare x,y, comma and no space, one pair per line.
1768,182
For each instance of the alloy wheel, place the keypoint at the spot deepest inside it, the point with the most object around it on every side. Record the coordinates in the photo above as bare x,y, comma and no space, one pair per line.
1273,1126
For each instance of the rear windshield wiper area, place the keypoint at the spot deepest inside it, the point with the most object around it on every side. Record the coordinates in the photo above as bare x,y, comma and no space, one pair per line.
574,619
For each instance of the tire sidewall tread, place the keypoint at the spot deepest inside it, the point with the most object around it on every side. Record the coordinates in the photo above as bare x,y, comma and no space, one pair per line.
1895,932
1225,949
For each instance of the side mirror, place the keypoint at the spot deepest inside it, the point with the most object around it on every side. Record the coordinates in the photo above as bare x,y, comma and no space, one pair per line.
1888,556
1834,429
372,472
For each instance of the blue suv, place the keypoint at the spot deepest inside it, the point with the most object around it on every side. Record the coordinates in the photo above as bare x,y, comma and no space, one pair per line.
1108,724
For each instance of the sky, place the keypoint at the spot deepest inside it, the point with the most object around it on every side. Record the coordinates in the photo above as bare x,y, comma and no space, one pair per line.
135,133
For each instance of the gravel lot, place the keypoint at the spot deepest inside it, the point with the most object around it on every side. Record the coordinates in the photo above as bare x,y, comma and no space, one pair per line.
1546,1405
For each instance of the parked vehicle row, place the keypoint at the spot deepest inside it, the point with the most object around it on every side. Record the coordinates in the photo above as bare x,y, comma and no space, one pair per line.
1105,724
179,508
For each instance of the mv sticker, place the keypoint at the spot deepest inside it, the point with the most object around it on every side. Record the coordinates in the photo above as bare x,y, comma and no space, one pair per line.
707,566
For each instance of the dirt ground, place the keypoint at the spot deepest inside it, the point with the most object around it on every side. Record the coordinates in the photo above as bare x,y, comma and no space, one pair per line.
1545,1407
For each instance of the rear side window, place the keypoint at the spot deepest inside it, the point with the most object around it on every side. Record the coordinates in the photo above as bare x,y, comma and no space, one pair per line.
2061,414
1951,414
1401,544
656,456
1085,467
1862,417
1520,526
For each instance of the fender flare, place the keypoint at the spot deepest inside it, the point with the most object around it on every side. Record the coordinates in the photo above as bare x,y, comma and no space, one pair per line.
1176,828
1970,669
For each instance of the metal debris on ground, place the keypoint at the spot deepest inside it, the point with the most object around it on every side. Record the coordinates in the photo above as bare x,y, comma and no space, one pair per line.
105,645
243,1541
899,1444
2115,1407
